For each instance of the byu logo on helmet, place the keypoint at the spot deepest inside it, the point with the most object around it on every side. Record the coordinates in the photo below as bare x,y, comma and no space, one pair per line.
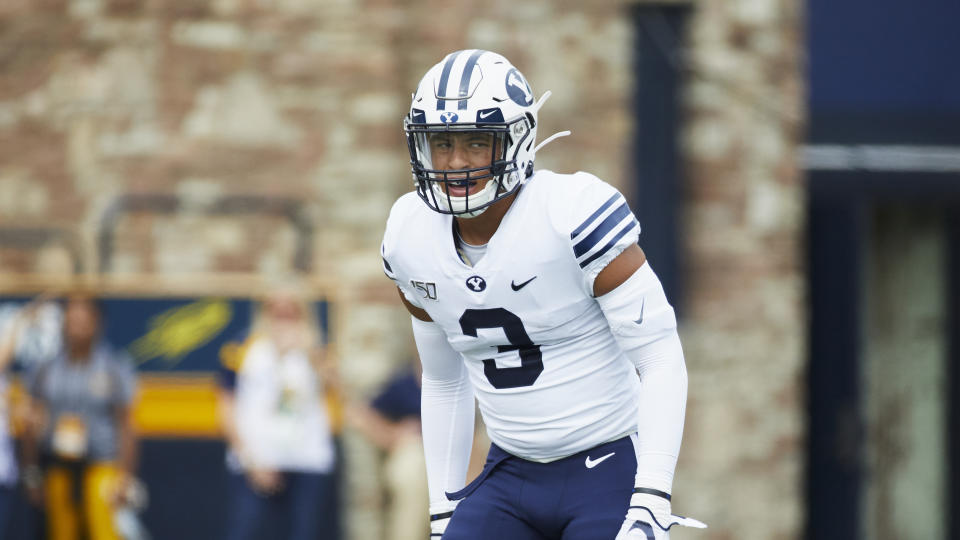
518,89
449,117
476,283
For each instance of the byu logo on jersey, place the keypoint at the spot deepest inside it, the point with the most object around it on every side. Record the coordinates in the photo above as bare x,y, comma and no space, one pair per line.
476,283
449,117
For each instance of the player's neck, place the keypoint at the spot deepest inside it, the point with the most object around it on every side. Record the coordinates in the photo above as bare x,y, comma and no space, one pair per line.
478,230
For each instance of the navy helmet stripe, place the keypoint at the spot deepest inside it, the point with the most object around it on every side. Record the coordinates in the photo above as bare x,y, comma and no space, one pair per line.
613,241
387,265
594,216
467,74
444,78
601,230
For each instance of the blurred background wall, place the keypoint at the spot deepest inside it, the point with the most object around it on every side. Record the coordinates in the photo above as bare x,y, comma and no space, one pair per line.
212,143
302,99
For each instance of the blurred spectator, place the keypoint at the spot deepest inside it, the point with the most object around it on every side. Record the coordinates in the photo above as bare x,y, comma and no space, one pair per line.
392,422
80,446
273,411
8,466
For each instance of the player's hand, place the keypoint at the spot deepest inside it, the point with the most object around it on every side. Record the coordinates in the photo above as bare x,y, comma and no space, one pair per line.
265,482
127,491
119,492
440,518
649,518
33,483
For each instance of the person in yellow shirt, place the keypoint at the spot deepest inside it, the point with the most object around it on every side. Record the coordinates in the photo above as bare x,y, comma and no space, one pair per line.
80,446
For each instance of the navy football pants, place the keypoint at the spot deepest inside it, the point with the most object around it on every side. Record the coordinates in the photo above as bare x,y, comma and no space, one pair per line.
515,499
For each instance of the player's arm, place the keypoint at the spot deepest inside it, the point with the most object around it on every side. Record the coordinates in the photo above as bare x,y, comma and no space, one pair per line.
33,432
419,313
644,325
8,343
446,414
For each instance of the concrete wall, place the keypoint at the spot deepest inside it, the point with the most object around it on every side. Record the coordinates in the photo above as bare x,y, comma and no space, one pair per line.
303,98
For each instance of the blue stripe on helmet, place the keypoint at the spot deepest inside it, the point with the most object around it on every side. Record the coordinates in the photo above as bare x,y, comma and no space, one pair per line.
594,216
444,78
602,230
467,74
613,241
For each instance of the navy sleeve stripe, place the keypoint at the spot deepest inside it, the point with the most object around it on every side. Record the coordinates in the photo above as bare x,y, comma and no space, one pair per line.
594,216
630,226
591,240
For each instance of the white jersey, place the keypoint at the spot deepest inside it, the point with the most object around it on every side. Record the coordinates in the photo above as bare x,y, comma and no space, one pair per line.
281,415
549,377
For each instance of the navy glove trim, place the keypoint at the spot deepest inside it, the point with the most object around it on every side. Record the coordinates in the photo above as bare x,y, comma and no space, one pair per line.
651,491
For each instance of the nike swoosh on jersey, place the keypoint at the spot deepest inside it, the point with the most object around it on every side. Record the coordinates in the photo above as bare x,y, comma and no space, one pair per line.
591,463
516,287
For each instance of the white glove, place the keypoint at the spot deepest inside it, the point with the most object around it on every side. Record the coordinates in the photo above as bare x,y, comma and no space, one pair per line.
649,517
439,518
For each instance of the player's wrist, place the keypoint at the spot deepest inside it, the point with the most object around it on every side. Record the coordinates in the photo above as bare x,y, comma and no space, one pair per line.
442,510
32,477
653,501
653,507
440,515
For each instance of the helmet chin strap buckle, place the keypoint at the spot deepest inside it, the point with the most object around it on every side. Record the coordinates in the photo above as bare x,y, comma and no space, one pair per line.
460,207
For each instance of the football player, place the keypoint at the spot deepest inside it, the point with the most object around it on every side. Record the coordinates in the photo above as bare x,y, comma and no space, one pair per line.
528,292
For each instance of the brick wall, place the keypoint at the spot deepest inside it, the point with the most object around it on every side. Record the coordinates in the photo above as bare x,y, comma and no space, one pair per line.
745,331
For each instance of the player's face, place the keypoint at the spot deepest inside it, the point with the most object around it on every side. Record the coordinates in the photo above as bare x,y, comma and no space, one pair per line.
81,320
468,150
284,309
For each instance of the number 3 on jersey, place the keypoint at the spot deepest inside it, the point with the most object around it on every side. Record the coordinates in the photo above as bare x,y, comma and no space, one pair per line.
531,360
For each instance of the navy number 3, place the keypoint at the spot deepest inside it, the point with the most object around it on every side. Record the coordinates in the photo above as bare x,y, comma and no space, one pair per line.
531,360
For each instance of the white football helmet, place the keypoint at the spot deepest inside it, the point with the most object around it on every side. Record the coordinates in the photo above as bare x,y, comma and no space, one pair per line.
473,91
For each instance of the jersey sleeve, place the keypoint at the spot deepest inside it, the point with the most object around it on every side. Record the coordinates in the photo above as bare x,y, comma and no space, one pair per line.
126,377
390,250
600,225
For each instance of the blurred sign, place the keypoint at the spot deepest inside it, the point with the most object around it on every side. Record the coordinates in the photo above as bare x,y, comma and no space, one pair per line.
160,334
174,342
185,334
